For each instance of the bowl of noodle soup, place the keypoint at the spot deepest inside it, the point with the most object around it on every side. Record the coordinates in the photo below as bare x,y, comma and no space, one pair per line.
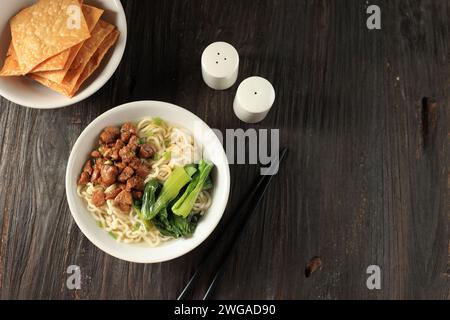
176,153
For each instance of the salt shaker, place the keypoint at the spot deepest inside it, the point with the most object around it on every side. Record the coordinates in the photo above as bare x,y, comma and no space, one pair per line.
220,65
254,98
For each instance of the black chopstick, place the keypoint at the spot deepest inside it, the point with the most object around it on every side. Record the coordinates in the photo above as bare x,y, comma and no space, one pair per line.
236,226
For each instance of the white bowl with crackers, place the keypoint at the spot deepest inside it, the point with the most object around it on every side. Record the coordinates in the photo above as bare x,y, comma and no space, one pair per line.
55,53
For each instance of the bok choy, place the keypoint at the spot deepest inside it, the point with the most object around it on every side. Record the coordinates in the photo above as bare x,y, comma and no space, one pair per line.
175,226
176,181
185,203
149,199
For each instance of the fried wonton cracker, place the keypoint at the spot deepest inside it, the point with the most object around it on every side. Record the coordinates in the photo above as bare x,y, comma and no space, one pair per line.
92,16
97,58
12,68
43,30
50,84
89,48
54,63
11,65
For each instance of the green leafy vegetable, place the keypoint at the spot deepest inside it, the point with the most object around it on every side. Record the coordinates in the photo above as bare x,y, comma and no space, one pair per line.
166,155
186,227
184,205
208,184
177,180
190,169
158,121
161,222
175,226
112,234
191,186
137,209
136,226
179,193
141,140
149,199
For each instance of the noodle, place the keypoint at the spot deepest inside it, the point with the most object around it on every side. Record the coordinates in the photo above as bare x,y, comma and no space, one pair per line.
202,203
174,147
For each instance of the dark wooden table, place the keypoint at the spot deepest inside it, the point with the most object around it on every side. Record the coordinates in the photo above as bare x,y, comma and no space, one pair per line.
364,113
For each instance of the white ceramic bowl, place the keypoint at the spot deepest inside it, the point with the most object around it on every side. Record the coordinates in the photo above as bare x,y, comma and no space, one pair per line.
29,93
212,150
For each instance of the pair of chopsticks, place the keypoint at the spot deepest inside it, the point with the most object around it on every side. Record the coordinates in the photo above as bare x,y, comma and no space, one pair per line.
233,229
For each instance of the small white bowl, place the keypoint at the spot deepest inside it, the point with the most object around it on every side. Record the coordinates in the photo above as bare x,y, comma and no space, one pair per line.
28,93
212,150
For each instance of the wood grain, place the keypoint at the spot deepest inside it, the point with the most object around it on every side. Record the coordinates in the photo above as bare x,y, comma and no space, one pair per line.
364,113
